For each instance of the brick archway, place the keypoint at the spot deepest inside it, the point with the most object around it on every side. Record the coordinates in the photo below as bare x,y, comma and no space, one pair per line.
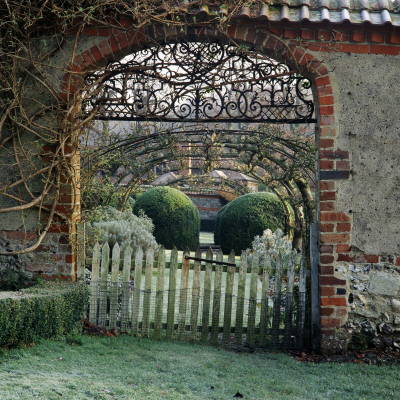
333,162
304,46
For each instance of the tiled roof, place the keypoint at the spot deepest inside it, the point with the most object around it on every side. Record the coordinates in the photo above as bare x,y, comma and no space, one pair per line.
381,12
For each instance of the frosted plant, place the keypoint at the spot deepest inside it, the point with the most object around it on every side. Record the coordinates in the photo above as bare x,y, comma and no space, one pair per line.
271,244
110,225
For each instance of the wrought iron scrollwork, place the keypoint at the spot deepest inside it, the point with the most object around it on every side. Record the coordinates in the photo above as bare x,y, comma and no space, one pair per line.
199,81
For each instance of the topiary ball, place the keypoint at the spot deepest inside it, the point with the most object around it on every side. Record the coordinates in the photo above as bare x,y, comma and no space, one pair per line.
217,225
248,216
176,219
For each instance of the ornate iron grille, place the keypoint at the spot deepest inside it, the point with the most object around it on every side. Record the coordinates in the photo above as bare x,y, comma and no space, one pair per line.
199,81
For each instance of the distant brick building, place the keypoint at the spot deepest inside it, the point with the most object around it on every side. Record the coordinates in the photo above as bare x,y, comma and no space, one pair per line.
208,205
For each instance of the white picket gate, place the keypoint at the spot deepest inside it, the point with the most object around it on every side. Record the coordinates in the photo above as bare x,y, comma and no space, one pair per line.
200,297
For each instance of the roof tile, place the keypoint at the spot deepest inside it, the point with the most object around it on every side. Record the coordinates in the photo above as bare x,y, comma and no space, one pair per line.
344,14
383,4
325,15
304,13
344,4
284,13
374,12
386,19
365,17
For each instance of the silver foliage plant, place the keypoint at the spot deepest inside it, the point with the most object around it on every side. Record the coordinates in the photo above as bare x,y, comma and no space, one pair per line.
107,224
271,244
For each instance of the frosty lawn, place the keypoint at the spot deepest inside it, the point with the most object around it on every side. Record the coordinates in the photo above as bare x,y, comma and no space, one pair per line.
131,368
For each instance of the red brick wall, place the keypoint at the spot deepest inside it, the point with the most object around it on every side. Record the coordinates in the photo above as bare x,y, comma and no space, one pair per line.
55,257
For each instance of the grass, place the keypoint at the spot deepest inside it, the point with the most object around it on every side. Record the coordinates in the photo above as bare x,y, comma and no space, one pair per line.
206,238
130,368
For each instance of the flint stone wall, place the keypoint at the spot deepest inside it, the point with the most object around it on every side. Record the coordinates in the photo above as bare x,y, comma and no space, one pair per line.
365,262
374,304
207,204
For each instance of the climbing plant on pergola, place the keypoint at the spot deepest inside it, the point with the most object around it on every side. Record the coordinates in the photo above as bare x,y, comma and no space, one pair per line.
281,159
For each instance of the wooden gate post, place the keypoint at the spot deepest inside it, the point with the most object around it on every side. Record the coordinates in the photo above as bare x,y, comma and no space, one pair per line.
315,301
81,251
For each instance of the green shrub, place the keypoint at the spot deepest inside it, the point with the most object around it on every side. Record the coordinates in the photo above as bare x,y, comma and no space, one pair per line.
44,311
15,279
207,225
175,217
217,225
246,217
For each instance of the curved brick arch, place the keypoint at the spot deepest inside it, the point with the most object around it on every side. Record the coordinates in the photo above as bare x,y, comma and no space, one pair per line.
334,226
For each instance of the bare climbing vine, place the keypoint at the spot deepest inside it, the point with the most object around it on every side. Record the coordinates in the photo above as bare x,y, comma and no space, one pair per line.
39,129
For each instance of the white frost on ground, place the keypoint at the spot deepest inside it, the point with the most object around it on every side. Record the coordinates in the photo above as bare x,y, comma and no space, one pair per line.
14,295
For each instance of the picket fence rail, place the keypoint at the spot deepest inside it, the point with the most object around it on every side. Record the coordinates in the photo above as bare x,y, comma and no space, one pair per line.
255,305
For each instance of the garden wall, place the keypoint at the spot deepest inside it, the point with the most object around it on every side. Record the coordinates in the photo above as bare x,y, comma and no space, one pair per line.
208,206
366,257
354,71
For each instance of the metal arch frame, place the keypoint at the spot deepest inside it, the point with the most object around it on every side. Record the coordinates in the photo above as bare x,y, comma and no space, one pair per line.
203,81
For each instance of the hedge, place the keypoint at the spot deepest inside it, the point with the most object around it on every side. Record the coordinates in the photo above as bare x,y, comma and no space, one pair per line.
246,217
207,225
217,225
176,219
43,311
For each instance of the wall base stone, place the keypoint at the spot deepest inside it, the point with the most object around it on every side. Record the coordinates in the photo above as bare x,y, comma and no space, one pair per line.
14,263
373,319
50,260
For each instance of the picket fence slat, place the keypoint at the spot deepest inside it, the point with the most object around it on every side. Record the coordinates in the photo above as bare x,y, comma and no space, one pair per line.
289,299
172,293
105,252
264,301
205,321
137,290
207,308
230,275
183,294
114,287
276,318
147,291
159,294
216,299
301,301
240,299
195,294
94,285
81,251
253,300
125,288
